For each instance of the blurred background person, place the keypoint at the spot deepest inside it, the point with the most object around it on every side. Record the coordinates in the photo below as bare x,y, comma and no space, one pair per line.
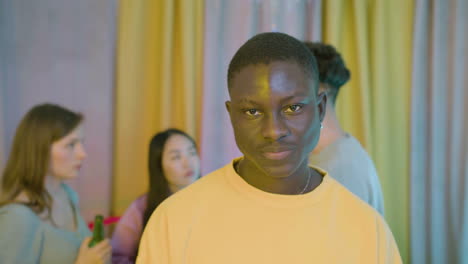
337,151
40,221
173,164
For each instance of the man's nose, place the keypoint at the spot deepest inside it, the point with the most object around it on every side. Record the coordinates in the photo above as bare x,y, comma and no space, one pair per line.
274,127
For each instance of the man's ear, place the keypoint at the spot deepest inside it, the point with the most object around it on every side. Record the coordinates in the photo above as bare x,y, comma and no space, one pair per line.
322,105
228,106
323,87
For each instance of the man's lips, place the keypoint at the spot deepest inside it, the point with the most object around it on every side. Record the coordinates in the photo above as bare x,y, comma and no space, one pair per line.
277,152
277,155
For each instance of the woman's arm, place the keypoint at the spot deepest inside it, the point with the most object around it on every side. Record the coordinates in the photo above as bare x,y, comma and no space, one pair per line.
127,233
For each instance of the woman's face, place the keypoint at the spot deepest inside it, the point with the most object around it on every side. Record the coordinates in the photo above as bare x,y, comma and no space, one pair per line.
180,162
67,155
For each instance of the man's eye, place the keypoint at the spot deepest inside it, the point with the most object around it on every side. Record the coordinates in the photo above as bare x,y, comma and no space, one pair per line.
252,112
293,108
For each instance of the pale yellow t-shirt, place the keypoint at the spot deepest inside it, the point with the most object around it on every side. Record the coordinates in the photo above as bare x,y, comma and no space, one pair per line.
223,219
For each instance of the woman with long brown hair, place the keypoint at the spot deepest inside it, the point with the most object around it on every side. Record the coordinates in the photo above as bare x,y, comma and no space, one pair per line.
40,220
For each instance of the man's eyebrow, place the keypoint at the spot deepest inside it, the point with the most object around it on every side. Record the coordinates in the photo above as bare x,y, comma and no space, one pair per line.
294,97
247,101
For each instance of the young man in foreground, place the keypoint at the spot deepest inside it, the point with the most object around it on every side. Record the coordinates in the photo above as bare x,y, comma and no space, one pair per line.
269,206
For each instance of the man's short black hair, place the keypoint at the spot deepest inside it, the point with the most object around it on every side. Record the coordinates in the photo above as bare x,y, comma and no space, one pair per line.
331,66
266,48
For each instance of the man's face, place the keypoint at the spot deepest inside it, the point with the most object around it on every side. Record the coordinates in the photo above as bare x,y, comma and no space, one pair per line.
276,115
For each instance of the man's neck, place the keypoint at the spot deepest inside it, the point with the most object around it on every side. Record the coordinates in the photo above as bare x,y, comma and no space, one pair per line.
331,131
301,181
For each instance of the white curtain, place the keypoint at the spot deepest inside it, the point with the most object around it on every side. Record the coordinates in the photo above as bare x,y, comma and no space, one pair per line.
439,132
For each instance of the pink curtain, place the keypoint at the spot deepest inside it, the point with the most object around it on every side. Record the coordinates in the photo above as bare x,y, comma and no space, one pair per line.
62,52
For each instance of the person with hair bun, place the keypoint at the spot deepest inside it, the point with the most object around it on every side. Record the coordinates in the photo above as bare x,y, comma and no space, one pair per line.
338,152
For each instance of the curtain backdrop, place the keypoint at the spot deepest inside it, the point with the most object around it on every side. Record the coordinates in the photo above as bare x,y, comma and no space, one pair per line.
158,84
375,38
3,150
406,101
62,52
439,132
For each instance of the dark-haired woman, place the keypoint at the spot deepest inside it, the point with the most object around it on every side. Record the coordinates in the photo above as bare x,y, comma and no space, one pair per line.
173,164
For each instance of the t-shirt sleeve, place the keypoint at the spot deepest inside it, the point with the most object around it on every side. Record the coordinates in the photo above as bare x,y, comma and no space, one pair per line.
21,236
388,249
154,244
374,189
378,202
127,235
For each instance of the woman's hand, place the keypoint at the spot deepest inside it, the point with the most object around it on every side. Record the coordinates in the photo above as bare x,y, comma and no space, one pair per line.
99,254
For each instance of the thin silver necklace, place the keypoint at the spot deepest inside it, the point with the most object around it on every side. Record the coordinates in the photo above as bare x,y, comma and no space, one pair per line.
307,183
303,190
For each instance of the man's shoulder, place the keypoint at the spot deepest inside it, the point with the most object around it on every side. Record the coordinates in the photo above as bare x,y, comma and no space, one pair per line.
352,167
348,143
354,148
350,201
344,156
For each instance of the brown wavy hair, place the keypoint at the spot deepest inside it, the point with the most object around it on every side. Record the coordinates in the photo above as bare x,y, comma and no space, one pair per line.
28,163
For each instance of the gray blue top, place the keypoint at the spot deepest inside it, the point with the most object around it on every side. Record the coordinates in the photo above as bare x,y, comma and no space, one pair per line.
25,238
346,161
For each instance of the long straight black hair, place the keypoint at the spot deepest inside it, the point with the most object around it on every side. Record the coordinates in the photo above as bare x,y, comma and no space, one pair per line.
158,185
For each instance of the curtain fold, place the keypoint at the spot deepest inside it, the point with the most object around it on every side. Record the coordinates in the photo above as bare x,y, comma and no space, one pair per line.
158,84
439,128
375,39
3,149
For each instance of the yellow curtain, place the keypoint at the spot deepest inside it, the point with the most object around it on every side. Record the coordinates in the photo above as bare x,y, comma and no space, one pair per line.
375,38
158,84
